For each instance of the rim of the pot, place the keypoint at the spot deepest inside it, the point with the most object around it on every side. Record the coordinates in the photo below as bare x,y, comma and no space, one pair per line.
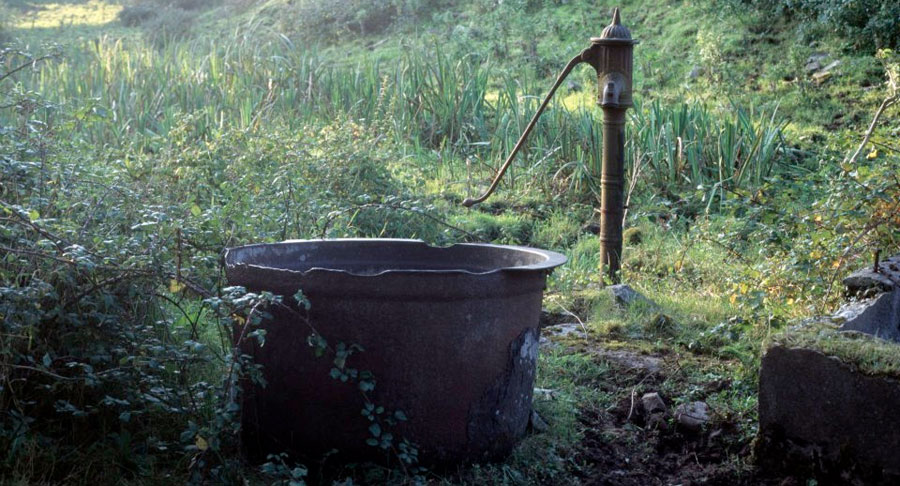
549,259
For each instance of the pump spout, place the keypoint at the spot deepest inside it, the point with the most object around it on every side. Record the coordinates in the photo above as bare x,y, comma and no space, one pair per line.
611,92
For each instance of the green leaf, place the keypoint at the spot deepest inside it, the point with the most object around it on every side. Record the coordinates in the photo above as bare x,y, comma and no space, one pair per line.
375,430
34,215
196,211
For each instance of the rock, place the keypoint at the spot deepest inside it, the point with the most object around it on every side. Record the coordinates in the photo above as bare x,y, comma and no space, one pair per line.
652,403
879,316
626,296
537,423
866,280
692,416
817,57
819,414
832,65
820,76
813,66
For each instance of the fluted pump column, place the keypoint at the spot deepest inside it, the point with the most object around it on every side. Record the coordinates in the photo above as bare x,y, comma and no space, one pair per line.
611,55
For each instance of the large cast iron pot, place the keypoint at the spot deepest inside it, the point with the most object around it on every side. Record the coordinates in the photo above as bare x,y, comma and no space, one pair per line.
450,335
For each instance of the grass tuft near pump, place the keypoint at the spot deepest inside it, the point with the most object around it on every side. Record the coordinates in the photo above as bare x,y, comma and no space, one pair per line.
611,56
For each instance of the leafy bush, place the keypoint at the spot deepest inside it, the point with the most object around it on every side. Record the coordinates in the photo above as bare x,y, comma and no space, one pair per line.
864,23
112,354
867,24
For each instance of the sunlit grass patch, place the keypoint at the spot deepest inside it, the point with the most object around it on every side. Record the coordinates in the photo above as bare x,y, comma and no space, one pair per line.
91,12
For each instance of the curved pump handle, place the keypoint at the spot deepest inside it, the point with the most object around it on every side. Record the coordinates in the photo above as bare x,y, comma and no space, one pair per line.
468,202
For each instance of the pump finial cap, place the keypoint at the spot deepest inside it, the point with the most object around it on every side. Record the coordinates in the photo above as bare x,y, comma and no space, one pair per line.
616,30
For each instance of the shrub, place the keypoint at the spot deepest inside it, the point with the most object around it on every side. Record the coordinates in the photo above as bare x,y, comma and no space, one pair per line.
865,24
109,361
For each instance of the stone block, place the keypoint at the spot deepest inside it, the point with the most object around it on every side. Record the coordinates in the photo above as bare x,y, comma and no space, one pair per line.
878,316
822,415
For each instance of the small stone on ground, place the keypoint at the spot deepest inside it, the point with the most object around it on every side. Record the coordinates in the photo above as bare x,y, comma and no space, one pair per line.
653,403
693,415
626,296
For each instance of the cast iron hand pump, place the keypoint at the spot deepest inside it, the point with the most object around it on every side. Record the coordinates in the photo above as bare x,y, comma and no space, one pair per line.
611,56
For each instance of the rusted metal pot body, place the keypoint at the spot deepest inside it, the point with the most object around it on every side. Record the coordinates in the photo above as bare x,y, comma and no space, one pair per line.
450,334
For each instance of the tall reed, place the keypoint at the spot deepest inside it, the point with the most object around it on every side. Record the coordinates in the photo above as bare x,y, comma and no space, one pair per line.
426,100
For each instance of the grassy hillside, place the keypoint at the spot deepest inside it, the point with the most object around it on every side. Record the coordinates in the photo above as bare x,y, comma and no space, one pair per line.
138,140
